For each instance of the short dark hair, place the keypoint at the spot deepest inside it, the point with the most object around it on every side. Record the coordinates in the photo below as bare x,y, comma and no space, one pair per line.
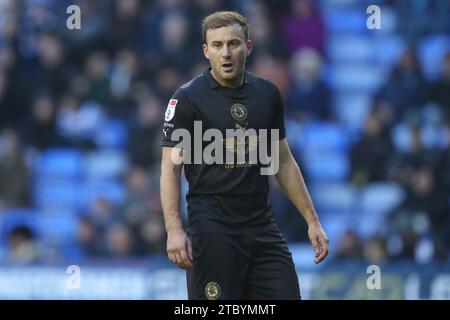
221,19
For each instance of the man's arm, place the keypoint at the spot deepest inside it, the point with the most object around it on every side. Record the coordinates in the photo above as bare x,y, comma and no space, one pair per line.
291,182
179,248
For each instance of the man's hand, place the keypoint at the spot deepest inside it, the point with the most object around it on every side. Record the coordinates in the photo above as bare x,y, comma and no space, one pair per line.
319,241
179,248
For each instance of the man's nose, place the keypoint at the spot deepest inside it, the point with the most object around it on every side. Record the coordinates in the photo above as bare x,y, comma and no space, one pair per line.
226,53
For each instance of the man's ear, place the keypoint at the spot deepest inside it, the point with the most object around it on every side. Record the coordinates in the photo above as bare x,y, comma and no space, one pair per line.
205,51
249,47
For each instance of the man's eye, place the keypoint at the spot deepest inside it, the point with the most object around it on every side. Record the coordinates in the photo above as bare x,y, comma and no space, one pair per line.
216,45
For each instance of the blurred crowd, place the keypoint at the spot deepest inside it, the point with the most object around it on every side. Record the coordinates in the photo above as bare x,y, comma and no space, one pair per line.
95,98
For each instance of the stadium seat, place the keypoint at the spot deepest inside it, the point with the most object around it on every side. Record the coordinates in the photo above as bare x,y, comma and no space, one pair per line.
336,197
345,20
58,229
431,51
401,137
380,198
351,48
113,134
367,225
357,77
321,136
59,163
13,218
352,108
326,166
105,164
114,191
388,50
56,195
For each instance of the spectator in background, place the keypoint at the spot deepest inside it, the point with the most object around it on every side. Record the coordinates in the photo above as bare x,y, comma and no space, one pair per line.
142,212
406,88
13,103
88,239
403,163
262,24
168,79
425,206
119,241
308,97
124,73
440,89
96,79
370,155
78,122
375,251
144,146
22,245
272,68
39,128
173,46
14,175
349,247
124,25
419,18
49,69
303,27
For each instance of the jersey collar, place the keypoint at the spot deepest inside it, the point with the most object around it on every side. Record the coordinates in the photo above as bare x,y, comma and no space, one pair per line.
214,84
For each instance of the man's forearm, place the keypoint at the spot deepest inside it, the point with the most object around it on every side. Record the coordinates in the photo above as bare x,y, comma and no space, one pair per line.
170,198
292,183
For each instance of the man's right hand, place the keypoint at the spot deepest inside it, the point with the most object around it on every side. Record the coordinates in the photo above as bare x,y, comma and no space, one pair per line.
179,248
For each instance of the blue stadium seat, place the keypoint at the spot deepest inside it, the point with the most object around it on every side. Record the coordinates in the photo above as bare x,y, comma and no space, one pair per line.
325,136
60,163
431,52
59,229
367,225
401,137
13,218
106,164
114,191
352,108
357,77
388,50
351,48
326,166
335,197
380,198
113,134
345,20
56,195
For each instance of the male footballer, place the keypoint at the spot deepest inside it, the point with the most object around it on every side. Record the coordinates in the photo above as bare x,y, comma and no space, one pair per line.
232,247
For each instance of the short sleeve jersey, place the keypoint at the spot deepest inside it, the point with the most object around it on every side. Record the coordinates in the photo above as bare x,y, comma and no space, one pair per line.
225,196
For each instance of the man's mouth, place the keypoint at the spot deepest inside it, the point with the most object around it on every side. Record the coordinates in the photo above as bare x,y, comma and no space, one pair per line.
227,66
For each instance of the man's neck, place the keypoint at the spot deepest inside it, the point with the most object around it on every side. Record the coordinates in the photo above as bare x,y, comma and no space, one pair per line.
235,83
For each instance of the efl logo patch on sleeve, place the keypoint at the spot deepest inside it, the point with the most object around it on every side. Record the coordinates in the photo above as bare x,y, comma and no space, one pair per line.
170,111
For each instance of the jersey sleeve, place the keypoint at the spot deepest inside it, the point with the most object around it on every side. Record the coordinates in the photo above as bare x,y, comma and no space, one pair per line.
179,114
278,109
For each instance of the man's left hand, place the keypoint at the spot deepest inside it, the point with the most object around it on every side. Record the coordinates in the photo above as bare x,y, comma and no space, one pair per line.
319,240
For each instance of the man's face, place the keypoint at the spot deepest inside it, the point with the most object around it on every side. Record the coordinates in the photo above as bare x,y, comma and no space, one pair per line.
227,50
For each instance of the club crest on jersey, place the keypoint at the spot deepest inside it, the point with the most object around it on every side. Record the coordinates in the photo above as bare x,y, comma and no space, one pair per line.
170,111
238,112
212,291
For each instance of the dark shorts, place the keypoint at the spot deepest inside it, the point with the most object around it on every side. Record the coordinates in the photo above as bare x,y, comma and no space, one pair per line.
252,266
